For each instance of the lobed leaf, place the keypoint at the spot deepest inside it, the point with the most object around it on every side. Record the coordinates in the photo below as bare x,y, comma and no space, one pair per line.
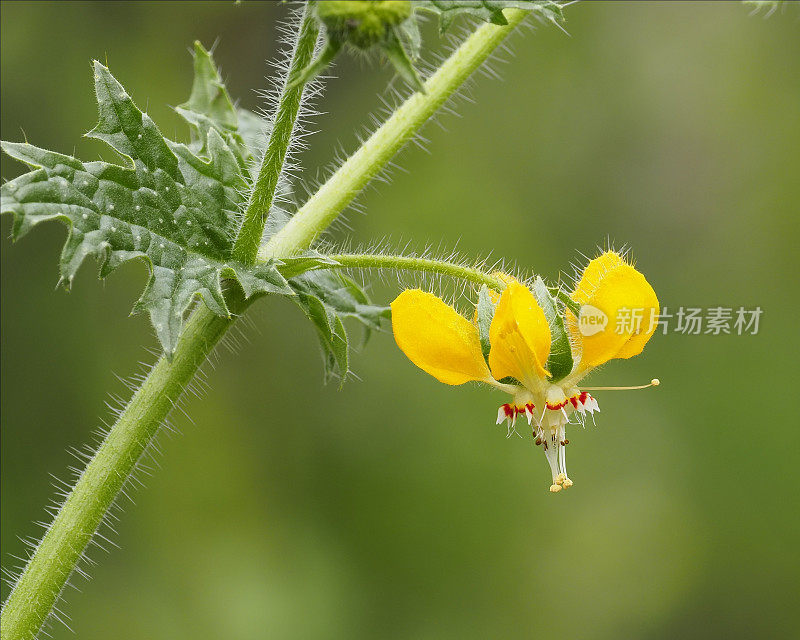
332,336
174,206
209,96
210,107
327,298
487,10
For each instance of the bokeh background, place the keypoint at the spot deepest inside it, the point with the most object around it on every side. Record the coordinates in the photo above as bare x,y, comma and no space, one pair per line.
395,508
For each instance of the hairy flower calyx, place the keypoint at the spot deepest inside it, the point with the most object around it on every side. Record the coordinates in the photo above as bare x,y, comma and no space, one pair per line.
362,24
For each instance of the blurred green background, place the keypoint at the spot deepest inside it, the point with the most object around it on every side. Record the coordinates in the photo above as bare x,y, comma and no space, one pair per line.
395,508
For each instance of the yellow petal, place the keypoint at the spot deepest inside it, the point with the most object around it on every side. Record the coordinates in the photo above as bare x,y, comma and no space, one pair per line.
593,275
437,339
494,295
519,336
628,301
505,278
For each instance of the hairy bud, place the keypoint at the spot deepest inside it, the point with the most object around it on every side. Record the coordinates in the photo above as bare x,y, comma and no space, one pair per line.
362,24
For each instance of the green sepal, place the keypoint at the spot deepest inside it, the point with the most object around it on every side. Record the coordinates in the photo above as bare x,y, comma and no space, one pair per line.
485,313
392,47
165,205
568,302
395,52
559,363
411,36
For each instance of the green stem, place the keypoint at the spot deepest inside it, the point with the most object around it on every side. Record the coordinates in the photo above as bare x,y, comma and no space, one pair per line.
406,263
40,585
38,588
323,207
255,216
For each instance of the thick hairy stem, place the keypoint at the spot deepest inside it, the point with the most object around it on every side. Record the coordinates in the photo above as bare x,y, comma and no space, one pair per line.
255,216
406,263
40,585
323,207
46,573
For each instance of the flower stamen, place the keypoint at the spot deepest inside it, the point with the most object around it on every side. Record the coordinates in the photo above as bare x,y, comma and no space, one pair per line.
653,383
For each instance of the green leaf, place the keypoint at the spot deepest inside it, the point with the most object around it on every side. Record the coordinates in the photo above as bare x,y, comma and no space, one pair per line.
340,298
209,96
167,204
210,107
341,294
332,336
487,10
485,312
559,364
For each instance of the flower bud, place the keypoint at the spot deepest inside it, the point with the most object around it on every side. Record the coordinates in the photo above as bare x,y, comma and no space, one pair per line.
362,24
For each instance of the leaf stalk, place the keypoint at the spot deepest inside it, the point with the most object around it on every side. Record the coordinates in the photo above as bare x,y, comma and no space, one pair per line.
255,216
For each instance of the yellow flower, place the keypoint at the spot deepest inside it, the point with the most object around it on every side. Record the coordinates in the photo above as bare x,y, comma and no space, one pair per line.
443,343
623,295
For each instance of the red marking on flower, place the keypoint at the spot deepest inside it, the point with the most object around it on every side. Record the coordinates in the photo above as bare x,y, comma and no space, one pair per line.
557,406
508,410
574,401
583,397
